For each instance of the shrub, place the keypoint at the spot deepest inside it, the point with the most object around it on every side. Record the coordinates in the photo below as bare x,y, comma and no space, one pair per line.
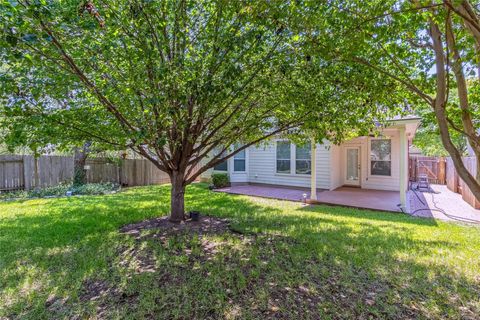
54,191
220,180
94,188
61,190
20,194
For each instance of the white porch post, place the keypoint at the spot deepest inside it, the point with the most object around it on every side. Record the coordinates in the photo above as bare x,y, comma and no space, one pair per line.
313,178
403,167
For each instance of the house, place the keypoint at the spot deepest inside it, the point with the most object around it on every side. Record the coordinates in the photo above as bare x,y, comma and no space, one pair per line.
367,162
414,151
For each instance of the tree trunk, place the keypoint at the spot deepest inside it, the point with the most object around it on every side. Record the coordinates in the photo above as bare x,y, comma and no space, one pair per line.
439,107
177,198
79,161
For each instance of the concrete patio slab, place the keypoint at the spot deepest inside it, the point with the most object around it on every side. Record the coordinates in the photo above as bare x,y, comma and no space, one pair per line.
441,203
362,198
344,196
267,191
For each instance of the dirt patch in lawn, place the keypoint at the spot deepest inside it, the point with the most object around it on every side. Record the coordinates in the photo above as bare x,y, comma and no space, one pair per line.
107,295
205,225
138,258
162,231
96,290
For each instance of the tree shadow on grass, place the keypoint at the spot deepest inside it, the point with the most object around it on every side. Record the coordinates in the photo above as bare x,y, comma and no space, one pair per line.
307,262
336,271
58,242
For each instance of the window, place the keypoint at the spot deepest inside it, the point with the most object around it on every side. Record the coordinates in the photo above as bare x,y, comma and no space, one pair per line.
381,157
283,157
239,161
222,166
303,160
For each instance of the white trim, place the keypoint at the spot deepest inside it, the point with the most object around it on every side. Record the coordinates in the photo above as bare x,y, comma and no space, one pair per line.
369,160
238,176
306,176
294,156
244,159
359,164
275,150
293,163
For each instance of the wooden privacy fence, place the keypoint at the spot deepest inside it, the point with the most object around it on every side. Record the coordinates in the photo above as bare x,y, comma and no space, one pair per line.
12,176
24,173
455,184
433,167
440,170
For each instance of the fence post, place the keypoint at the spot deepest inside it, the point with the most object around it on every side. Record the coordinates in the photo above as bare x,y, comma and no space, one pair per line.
415,168
27,172
441,170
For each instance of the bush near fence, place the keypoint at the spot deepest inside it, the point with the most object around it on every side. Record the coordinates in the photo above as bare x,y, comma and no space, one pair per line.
18,172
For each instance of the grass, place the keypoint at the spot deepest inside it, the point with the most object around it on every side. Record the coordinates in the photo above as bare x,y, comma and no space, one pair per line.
294,261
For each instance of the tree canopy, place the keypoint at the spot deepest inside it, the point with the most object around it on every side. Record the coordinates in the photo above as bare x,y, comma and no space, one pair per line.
428,139
431,48
176,81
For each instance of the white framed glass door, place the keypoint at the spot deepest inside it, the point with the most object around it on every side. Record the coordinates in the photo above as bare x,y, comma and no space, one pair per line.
352,166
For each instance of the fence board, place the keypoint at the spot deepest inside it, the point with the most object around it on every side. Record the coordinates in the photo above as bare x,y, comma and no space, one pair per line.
452,176
102,170
53,170
11,173
18,172
467,195
456,184
433,167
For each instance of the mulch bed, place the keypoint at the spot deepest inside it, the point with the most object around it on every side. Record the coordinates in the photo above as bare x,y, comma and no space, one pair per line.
205,225
162,230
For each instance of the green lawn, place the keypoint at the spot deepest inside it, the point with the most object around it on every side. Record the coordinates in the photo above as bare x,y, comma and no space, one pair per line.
291,262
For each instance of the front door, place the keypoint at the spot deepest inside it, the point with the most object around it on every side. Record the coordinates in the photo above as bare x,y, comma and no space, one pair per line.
352,170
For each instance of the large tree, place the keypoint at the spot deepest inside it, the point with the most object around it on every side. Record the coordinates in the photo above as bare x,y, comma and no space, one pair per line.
180,81
432,48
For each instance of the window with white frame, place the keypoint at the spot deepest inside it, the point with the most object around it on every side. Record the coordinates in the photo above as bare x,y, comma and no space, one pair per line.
303,160
381,157
239,161
222,166
283,157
